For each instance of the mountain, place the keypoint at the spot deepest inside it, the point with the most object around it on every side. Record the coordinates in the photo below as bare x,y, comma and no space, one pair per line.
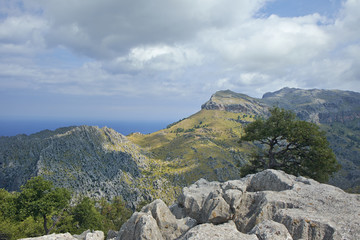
88,160
103,163
207,142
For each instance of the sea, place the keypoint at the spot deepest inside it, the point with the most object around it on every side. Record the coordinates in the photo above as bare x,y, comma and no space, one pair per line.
20,126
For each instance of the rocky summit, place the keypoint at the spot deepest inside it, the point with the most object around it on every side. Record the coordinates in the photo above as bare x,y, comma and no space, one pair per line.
267,205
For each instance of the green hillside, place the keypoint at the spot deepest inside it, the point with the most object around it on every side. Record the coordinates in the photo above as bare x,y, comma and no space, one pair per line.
206,143
202,145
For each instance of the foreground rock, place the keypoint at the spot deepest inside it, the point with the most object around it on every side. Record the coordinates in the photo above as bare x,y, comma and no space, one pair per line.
87,235
268,205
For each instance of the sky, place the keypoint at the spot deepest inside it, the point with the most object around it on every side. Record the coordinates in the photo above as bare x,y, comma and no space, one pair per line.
159,60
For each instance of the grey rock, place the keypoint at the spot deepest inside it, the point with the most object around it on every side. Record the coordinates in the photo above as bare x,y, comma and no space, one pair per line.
90,235
86,235
194,197
146,229
270,230
269,205
270,180
62,236
111,234
155,221
169,226
215,210
140,226
207,231
82,236
178,211
309,210
96,235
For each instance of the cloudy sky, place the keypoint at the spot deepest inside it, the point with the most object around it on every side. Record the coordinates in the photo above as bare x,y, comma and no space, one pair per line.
161,59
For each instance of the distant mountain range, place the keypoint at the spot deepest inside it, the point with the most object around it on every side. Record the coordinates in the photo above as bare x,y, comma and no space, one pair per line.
103,163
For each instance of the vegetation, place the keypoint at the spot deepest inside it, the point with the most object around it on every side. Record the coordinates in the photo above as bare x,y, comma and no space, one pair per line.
40,208
39,198
294,146
203,144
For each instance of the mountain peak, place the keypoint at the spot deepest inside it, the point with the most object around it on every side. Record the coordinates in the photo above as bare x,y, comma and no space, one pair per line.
227,100
282,92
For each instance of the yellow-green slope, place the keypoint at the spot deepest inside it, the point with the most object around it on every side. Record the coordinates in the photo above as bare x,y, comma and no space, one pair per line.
204,145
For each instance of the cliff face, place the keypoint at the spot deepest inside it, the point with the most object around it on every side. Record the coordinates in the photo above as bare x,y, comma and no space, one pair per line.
235,102
88,160
320,106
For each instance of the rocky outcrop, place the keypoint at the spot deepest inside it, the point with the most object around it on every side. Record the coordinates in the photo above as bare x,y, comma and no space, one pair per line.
87,160
267,205
87,235
235,102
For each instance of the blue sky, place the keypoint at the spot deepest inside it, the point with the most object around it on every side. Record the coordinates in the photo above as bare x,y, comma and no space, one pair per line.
160,60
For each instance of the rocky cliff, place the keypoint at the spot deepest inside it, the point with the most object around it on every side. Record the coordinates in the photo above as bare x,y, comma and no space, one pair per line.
88,160
267,205
320,106
235,102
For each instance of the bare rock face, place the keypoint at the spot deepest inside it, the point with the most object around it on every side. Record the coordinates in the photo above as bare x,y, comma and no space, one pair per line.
234,102
269,205
98,162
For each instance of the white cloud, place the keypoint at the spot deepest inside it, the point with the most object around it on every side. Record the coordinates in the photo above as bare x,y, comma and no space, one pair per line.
183,49
22,34
107,28
161,58
270,44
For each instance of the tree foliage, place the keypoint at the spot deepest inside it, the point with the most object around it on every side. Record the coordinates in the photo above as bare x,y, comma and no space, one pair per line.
286,143
86,215
39,198
115,213
39,208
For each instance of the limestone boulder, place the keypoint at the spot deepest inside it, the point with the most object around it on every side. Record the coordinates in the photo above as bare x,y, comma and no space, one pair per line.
62,236
169,226
225,231
194,197
140,226
270,205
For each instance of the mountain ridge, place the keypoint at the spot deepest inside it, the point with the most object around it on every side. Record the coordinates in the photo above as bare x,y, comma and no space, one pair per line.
141,167
93,161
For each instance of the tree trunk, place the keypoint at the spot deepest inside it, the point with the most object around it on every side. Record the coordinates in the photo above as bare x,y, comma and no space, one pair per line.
272,161
45,225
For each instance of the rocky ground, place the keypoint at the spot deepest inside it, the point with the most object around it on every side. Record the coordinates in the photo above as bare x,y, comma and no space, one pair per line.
269,205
